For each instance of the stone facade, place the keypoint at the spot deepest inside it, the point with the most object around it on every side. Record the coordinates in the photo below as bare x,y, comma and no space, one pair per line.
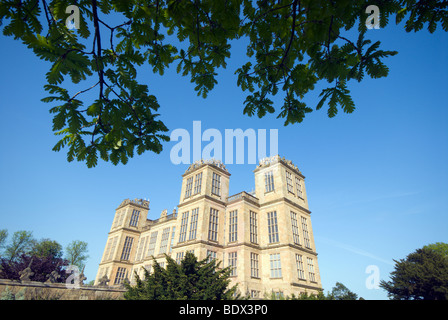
265,235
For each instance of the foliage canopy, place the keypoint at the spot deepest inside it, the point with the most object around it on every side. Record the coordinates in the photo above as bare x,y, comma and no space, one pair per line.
423,275
188,280
293,45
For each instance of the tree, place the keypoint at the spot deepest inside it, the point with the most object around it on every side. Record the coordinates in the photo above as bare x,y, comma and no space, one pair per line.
41,266
76,253
338,292
22,242
423,275
439,247
3,237
341,292
189,280
47,248
293,46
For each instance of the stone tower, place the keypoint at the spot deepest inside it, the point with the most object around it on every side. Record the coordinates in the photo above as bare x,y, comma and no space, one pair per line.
265,236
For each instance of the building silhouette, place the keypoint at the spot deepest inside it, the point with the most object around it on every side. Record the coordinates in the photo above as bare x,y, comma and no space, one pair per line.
265,235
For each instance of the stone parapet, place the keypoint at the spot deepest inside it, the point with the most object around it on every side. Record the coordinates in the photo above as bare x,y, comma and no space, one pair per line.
33,290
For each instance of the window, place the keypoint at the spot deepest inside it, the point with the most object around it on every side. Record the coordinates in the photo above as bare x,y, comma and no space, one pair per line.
253,227
272,227
232,263
164,240
193,224
148,267
197,183
276,268
299,188
121,274
152,243
141,248
107,252
213,225
188,187
289,185
279,295
183,227
295,228
127,248
216,184
233,226
306,236
254,265
118,222
134,218
179,257
311,269
300,270
269,181
113,247
172,239
117,217
211,255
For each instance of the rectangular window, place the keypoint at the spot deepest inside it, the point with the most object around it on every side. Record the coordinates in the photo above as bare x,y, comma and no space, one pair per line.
189,187
289,185
213,225
299,188
253,229
127,248
311,269
118,219
233,226
179,257
134,218
232,263
306,236
152,244
254,265
164,240
120,276
269,181
272,227
141,248
197,183
183,227
216,184
295,228
276,267
113,247
107,251
148,268
193,224
300,270
172,239
211,255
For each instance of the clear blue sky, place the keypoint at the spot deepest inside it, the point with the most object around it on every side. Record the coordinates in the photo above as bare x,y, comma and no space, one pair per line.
376,179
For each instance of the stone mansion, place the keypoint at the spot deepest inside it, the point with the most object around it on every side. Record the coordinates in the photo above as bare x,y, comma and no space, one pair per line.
265,235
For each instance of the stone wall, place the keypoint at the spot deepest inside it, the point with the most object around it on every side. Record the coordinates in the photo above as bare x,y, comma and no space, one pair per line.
32,290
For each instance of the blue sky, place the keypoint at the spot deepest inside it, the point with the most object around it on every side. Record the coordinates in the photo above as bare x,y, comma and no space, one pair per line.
376,179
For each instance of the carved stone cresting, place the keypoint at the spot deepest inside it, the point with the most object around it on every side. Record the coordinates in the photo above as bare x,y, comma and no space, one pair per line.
103,281
26,273
53,277
199,163
140,202
264,162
